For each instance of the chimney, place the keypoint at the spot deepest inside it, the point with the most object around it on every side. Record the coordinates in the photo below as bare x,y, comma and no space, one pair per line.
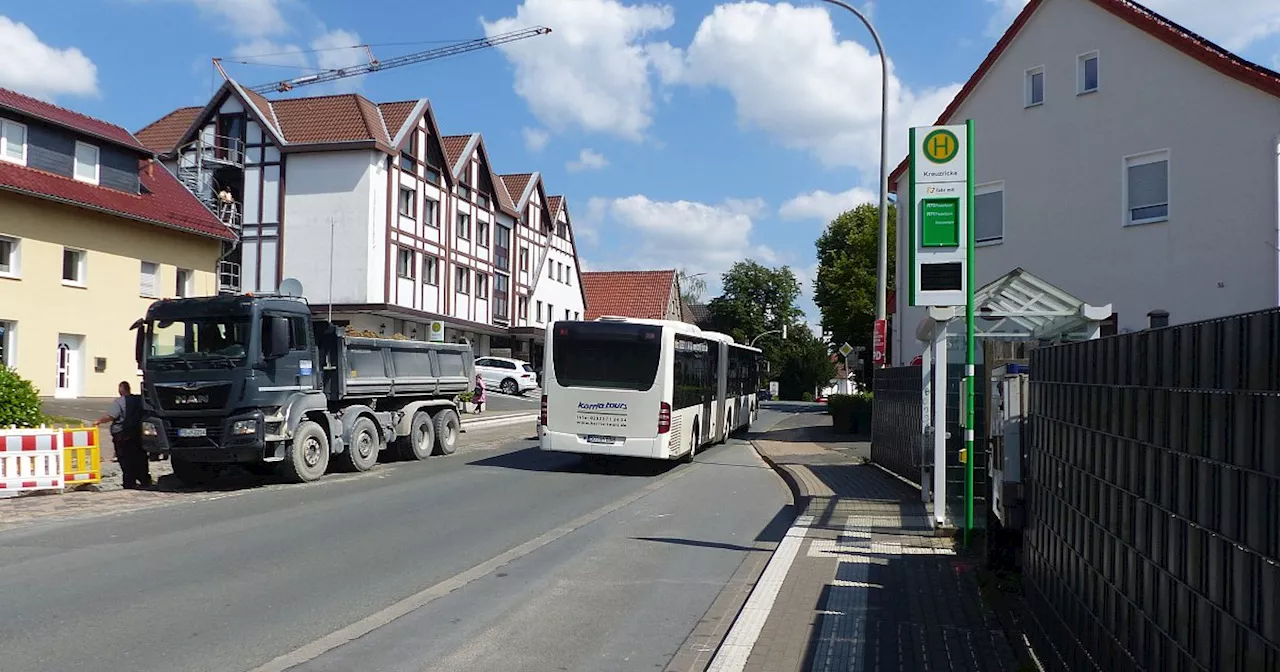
1157,319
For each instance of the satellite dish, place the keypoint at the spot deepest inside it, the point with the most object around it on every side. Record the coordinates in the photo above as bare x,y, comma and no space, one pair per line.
291,287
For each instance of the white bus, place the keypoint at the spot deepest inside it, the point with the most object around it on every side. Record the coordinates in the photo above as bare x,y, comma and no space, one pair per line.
644,388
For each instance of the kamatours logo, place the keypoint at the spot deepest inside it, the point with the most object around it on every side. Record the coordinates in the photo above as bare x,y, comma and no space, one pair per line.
602,406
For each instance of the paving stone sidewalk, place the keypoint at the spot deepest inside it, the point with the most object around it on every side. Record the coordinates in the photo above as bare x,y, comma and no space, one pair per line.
872,587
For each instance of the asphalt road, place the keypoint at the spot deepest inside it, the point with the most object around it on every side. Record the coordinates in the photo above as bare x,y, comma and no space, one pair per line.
503,559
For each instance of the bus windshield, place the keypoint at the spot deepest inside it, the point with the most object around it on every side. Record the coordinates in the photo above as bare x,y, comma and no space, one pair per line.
606,355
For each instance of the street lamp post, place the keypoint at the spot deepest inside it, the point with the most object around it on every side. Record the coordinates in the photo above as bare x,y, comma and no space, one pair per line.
882,259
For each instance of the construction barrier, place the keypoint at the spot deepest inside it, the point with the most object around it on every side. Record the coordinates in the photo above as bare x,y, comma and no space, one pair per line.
81,456
30,459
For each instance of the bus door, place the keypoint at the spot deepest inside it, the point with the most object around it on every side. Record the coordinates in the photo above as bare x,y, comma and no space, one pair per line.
710,390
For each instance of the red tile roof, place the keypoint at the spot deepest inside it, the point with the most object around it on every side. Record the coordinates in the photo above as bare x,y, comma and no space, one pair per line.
165,202
323,119
73,120
162,135
516,184
638,294
454,145
554,203
1144,19
395,114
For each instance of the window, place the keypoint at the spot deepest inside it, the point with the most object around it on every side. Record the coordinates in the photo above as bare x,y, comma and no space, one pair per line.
150,279
1035,86
482,233
500,293
1087,72
462,280
185,283
562,230
482,200
577,315
406,156
568,276
13,142
1146,188
6,343
524,258
539,318
551,312
502,248
73,266
988,213
566,313
430,270
482,286
464,226
86,163
551,271
607,355
404,263
407,198
429,212
433,175
9,266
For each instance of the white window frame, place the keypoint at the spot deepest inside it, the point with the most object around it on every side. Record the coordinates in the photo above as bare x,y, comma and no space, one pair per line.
15,257
461,277
1026,86
9,344
97,163
432,278
982,190
463,218
155,279
403,270
430,208
4,142
480,283
1080,63
1143,158
413,202
82,269
184,286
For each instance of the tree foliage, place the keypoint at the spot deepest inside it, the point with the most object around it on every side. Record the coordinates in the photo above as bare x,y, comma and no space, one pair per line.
692,287
19,400
845,290
806,364
757,299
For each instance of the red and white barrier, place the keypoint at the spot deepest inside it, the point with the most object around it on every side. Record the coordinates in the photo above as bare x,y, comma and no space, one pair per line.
30,459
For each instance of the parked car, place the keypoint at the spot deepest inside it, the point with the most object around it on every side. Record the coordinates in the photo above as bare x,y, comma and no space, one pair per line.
507,375
764,395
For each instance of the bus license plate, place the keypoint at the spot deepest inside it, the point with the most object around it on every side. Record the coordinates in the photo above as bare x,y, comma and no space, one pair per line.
191,432
591,438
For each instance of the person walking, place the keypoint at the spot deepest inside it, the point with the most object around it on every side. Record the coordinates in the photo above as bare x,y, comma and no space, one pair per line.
125,418
478,396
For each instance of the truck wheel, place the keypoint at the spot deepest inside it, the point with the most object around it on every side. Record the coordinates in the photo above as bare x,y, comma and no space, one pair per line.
193,473
447,426
307,456
362,453
510,387
421,441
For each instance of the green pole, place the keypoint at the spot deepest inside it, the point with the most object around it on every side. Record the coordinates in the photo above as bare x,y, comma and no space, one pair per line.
970,358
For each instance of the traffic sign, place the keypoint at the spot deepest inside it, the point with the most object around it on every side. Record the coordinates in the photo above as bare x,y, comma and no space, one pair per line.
941,210
846,349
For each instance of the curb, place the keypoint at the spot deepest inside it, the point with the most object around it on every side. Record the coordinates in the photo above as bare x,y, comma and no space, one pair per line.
800,497
500,421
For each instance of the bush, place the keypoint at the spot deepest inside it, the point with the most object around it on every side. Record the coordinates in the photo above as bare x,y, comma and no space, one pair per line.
19,401
850,413
466,397
807,396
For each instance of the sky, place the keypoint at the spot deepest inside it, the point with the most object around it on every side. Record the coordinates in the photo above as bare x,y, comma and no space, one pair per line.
689,134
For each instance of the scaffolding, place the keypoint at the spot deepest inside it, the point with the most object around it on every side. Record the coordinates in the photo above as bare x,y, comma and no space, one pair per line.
198,164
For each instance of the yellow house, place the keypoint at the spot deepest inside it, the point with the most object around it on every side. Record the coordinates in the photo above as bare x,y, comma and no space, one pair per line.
92,230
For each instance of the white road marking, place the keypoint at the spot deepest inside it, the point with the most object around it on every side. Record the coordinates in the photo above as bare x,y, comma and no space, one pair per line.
742,637
364,626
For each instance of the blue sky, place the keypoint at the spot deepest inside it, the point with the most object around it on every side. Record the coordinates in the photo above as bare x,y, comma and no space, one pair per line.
687,134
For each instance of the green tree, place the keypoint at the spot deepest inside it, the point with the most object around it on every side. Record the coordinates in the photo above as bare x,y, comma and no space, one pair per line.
757,299
806,364
19,400
692,287
845,290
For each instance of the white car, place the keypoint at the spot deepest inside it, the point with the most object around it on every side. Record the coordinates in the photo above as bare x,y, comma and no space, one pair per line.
509,376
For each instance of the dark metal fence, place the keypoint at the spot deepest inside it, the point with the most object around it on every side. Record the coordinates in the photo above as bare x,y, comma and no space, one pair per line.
897,414
1153,538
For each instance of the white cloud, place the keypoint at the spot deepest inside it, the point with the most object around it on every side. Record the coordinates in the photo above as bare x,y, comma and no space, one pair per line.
37,69
588,159
1006,11
824,205
791,76
593,71
334,52
252,18
535,138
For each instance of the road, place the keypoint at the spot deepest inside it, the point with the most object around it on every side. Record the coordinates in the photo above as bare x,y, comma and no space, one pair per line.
498,559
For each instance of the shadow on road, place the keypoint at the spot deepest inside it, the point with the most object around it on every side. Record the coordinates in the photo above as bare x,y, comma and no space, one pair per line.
536,459
772,533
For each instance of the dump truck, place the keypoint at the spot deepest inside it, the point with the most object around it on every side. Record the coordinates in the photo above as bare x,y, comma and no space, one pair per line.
257,381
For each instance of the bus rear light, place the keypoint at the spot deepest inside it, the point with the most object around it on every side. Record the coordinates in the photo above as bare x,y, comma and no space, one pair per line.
542,417
664,418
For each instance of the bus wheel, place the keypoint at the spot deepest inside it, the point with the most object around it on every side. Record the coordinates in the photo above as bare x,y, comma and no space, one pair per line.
728,427
447,428
693,447
420,442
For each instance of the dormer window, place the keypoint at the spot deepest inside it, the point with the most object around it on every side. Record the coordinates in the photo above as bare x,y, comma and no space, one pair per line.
87,168
13,142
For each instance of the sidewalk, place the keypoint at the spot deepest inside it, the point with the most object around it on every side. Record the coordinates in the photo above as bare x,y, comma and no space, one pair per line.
871,587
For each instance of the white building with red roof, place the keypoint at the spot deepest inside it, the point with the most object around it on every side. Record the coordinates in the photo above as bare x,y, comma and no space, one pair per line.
1122,158
91,231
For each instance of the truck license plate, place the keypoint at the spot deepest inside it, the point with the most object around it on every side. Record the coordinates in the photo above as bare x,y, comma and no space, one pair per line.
191,432
592,438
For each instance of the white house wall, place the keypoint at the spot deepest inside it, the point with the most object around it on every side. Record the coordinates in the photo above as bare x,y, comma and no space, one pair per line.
1062,165
349,188
558,285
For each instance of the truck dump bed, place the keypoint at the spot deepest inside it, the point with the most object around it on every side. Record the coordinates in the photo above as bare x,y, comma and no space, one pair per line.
356,367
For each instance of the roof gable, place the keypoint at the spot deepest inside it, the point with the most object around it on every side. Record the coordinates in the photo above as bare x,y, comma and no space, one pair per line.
1139,16
61,116
636,294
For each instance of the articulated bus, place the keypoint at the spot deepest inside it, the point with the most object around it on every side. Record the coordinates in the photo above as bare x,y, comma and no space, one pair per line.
644,388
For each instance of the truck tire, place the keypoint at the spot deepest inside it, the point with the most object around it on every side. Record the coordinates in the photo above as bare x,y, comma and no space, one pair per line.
362,453
193,473
510,387
448,427
306,457
421,441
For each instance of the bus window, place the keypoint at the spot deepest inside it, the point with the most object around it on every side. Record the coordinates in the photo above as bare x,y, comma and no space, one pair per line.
606,355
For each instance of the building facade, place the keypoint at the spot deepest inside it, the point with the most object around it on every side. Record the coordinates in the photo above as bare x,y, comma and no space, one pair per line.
388,224
92,231
1121,158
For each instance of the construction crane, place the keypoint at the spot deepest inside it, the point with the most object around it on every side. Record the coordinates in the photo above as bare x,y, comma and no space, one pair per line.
375,65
